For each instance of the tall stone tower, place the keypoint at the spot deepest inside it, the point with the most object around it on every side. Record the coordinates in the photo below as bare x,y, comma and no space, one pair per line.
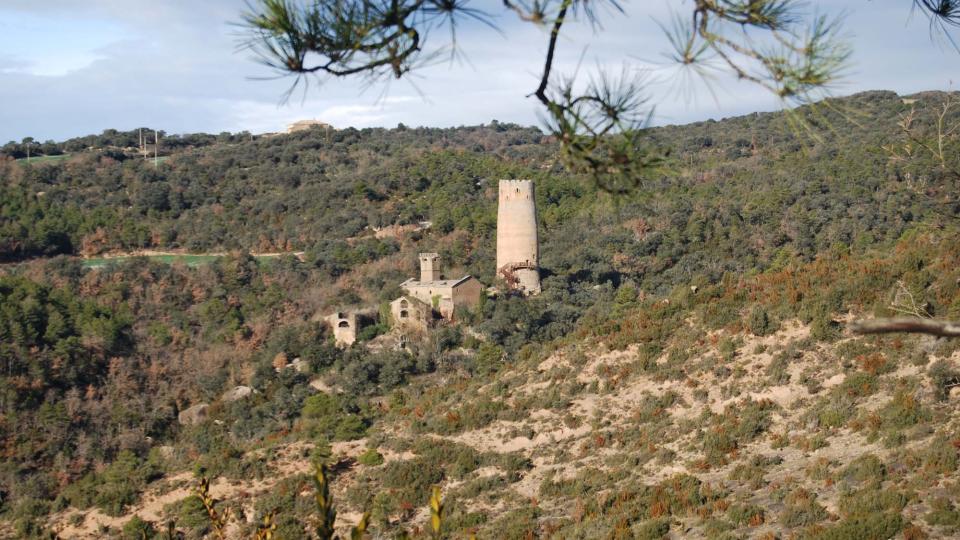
518,249
429,267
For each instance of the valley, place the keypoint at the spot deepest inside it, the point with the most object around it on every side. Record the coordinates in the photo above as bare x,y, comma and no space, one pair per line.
682,367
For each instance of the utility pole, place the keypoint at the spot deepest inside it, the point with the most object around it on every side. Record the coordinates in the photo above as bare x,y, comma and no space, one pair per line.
28,152
156,146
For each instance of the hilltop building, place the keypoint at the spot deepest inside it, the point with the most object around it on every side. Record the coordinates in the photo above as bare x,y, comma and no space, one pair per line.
518,248
444,296
302,125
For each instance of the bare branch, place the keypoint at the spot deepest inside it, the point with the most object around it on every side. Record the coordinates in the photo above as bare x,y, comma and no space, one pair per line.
907,325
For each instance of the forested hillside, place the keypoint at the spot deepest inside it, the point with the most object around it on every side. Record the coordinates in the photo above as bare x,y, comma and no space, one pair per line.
684,372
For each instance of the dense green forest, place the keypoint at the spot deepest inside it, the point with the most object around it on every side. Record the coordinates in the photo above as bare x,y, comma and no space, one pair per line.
750,222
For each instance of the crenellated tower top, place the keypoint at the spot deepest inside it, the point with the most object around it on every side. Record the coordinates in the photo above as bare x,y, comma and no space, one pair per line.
516,189
429,267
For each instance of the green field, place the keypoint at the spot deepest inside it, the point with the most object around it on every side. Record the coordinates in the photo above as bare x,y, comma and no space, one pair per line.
52,159
44,159
189,260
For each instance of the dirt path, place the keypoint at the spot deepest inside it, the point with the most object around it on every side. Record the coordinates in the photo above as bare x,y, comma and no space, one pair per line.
155,253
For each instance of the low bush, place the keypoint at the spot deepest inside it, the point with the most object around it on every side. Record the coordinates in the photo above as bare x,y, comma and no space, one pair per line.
865,470
370,458
745,515
943,376
652,529
801,508
754,470
941,456
943,513
759,322
325,415
138,529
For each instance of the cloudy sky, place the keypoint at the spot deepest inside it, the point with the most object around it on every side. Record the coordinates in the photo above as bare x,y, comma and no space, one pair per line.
73,67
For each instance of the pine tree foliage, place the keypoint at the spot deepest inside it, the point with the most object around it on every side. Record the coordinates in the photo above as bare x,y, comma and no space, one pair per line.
776,44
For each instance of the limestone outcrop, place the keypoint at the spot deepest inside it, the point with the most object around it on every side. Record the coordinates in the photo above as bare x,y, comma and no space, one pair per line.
193,415
236,393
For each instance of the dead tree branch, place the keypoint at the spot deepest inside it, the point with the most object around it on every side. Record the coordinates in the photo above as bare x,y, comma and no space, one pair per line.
907,325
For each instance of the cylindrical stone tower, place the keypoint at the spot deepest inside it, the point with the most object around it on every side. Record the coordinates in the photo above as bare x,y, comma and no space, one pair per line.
518,250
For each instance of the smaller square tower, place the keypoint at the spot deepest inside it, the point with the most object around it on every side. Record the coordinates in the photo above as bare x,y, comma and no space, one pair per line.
344,325
429,267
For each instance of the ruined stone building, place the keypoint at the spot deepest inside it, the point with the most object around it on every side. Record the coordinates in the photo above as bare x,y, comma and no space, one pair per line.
410,313
518,248
432,298
344,325
443,296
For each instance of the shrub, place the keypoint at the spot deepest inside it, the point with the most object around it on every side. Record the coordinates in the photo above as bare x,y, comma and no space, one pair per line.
868,514
859,384
727,349
370,458
759,322
652,529
718,529
488,360
940,456
27,516
287,506
820,470
138,529
802,508
321,452
777,370
120,485
866,469
745,515
903,411
738,425
943,513
680,494
718,442
410,481
753,471
324,415
872,500
943,375
518,523
832,411
870,527
191,514
824,328
456,460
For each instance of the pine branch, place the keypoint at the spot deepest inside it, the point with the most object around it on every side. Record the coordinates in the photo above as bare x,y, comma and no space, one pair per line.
907,325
